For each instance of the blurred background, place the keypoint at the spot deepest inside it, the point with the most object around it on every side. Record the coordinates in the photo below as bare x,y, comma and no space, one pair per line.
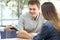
10,10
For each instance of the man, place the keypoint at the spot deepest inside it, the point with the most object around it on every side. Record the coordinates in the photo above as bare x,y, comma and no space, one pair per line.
30,23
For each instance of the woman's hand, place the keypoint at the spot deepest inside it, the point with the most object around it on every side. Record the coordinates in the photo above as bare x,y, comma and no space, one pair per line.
23,34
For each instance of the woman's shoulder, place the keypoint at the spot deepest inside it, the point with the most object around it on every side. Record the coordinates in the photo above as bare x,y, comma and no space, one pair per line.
47,24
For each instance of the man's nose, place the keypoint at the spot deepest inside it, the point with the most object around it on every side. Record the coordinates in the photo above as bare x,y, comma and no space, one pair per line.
32,11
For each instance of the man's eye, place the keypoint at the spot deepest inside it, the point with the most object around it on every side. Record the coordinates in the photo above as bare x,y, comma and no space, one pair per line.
30,9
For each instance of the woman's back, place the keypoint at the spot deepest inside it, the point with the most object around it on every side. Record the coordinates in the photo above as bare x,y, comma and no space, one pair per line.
48,32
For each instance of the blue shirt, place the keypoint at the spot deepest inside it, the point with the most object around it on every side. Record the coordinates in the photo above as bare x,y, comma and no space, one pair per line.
48,32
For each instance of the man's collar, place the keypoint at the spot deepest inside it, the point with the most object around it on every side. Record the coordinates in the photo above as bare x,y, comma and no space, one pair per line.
36,17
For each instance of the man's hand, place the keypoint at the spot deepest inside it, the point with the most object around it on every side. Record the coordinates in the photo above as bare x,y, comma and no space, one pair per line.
8,28
23,34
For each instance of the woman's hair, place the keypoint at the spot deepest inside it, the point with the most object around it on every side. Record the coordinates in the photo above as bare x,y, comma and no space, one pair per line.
49,12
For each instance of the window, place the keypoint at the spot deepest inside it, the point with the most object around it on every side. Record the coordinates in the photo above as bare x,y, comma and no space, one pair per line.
56,3
9,12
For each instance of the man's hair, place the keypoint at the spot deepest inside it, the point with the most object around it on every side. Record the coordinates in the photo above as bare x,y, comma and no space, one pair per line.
32,2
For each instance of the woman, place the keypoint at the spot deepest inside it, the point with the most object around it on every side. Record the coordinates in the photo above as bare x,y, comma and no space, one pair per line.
50,28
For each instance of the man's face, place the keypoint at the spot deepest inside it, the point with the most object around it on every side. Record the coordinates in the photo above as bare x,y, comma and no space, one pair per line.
33,10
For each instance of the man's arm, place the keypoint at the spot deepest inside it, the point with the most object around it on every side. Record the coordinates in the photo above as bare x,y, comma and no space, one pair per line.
20,23
21,32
